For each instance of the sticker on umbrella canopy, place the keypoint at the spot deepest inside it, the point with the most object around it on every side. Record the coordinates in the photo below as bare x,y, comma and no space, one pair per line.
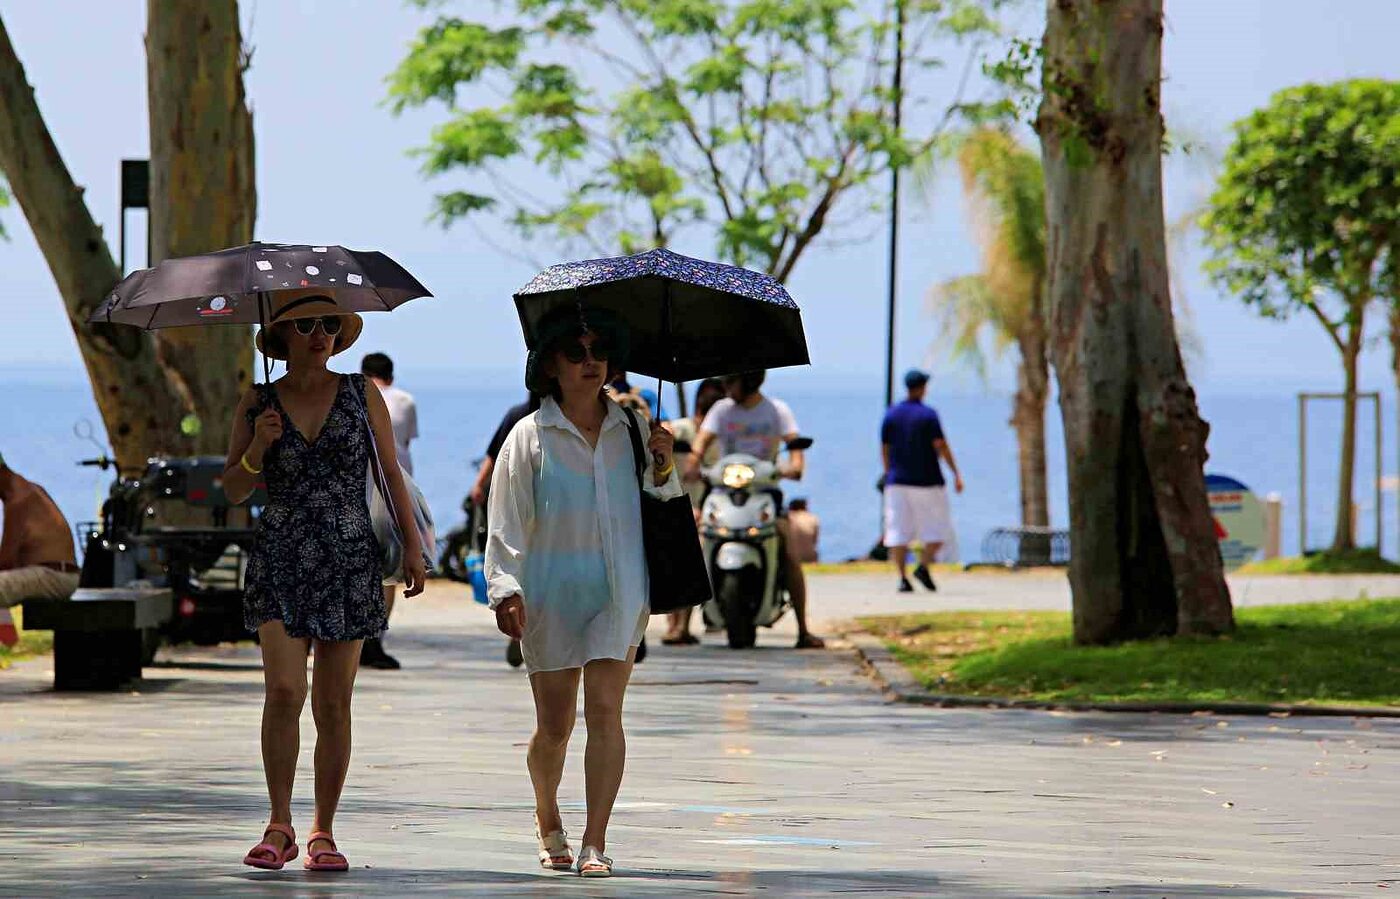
218,306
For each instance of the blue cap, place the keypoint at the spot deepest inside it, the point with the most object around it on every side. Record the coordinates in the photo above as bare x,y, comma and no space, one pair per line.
914,378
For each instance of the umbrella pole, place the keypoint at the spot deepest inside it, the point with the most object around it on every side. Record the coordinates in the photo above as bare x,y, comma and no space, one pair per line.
262,325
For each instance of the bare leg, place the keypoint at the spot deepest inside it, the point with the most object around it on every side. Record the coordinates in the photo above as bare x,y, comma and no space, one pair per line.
333,681
604,683
390,592
929,554
900,556
797,588
556,707
678,624
284,681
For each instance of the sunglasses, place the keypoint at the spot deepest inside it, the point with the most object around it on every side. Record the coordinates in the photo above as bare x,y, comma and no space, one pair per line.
577,352
330,325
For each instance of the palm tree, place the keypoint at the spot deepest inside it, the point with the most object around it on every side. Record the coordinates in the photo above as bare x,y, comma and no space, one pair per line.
1005,302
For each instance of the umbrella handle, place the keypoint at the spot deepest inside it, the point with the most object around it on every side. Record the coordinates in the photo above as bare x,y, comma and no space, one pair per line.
656,457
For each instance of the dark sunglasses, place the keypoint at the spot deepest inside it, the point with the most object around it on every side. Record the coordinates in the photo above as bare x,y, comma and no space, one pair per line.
577,352
330,325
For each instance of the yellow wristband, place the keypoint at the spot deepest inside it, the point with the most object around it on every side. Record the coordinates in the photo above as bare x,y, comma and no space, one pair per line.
243,460
666,472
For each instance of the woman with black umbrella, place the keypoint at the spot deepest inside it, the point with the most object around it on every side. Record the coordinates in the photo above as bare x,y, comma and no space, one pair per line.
313,577
565,566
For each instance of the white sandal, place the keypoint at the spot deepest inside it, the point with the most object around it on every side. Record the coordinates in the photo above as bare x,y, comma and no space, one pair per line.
592,863
555,853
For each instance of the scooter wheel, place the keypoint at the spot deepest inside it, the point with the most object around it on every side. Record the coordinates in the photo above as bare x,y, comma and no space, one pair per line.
738,618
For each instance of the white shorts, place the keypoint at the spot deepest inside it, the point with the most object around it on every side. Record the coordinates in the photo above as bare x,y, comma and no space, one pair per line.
916,515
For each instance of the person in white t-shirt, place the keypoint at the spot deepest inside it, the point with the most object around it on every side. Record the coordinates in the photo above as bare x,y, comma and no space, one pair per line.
403,416
746,421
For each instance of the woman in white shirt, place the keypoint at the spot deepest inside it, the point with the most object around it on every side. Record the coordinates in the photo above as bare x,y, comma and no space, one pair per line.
565,566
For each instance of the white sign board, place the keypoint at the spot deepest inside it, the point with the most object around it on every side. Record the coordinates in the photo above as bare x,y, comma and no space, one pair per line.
1239,520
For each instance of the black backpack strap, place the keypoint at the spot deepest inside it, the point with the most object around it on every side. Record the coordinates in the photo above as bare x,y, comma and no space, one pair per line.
639,454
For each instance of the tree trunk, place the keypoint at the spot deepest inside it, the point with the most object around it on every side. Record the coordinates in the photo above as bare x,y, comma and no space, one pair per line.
202,193
1344,534
1028,418
139,406
1144,556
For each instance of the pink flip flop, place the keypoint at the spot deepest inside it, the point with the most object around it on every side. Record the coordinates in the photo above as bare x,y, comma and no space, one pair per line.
267,856
327,859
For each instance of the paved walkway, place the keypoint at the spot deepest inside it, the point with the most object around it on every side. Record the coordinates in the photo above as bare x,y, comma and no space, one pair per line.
771,771
849,595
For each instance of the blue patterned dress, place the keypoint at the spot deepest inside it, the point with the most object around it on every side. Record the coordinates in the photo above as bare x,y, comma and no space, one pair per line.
315,563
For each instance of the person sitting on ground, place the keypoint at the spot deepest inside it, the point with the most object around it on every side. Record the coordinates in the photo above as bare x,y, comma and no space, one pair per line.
804,529
37,559
748,422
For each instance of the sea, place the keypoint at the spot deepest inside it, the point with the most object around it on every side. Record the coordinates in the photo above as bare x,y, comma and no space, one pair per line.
1254,438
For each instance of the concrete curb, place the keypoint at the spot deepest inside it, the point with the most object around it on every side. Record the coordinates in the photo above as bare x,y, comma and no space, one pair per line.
900,686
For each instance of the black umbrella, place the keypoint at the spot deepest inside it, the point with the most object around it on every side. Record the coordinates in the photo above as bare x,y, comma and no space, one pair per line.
233,286
687,318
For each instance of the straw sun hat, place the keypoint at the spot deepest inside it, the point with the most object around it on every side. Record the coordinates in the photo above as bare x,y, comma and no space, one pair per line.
291,305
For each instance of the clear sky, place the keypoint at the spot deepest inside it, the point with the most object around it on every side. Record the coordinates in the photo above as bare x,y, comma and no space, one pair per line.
333,167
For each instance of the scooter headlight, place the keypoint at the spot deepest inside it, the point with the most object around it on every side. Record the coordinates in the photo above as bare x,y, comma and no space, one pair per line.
737,476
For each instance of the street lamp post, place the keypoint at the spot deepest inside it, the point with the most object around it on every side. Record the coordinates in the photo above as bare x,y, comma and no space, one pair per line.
898,101
898,104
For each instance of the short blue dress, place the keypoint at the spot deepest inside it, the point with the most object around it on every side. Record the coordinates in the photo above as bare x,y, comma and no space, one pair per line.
315,560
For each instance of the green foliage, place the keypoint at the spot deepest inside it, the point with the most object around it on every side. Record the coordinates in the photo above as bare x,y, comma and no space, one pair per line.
1333,652
1365,560
759,120
4,201
1005,187
1307,210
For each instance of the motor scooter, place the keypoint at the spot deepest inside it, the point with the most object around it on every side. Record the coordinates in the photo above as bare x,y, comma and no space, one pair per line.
738,531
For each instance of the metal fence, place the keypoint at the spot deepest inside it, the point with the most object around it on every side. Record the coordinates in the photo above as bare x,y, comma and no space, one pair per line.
1023,548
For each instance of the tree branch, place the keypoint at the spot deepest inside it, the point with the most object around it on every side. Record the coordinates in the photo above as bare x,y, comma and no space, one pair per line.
140,408
1334,329
687,120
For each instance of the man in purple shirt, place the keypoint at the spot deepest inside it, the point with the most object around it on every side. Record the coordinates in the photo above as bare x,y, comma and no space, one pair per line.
916,497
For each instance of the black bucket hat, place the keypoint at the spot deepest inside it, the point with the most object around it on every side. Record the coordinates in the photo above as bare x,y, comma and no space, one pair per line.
570,323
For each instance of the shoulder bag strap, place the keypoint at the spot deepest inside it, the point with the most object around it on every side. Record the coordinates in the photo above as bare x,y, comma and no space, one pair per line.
380,479
639,454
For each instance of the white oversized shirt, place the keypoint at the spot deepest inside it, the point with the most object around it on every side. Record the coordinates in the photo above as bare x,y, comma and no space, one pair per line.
566,534
403,416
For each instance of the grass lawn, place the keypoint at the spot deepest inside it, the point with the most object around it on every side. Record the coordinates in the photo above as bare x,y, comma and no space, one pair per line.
1357,561
1336,652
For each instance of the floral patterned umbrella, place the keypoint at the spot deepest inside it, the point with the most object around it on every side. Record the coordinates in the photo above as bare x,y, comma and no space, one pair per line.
688,318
